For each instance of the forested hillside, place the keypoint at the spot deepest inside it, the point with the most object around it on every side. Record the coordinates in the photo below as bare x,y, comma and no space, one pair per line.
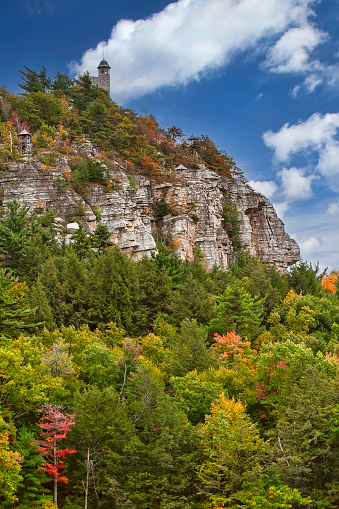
60,112
153,383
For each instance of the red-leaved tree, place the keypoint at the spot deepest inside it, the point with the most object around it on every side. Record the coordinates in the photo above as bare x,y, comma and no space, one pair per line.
54,424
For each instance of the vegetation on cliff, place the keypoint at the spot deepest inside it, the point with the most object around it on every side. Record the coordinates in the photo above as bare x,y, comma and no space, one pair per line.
154,384
62,112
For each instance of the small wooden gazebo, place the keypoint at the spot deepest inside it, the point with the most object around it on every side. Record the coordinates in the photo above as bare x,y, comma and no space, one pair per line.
181,167
192,139
25,142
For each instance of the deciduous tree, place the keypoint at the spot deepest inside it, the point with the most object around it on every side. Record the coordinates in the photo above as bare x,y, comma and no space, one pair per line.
10,465
55,425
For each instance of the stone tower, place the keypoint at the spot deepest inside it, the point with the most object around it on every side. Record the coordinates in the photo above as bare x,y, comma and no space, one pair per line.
103,78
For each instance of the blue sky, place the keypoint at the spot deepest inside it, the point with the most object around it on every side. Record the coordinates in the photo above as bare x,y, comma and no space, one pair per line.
260,77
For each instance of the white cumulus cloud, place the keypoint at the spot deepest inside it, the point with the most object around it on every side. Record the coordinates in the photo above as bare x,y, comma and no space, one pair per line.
292,51
315,133
296,185
281,208
329,159
265,187
310,246
317,136
188,38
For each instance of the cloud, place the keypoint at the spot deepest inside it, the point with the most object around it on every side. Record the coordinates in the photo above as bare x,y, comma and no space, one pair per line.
309,84
265,187
296,186
281,208
328,164
292,51
189,38
315,223
333,209
310,246
292,54
316,138
315,133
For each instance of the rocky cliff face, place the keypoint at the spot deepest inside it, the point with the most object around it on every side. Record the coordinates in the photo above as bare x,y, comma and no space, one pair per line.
186,209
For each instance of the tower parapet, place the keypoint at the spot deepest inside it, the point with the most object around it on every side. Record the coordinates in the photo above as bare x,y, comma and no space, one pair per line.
103,78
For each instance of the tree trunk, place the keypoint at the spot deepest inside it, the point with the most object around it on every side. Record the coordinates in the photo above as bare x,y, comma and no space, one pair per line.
55,477
87,478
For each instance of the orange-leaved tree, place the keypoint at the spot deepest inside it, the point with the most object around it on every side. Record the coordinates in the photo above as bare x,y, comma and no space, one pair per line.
230,346
330,282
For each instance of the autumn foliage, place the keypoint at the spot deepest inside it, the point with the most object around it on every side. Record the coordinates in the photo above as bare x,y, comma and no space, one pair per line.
174,407
54,424
330,282
230,346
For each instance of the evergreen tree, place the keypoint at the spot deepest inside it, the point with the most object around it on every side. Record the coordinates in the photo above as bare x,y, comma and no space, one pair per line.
191,301
14,234
84,92
100,237
63,84
154,292
305,278
34,81
31,488
14,312
82,241
190,351
303,451
237,310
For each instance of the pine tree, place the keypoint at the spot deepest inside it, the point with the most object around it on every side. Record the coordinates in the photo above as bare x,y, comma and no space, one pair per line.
14,313
237,310
31,487
14,233
34,81
190,351
100,237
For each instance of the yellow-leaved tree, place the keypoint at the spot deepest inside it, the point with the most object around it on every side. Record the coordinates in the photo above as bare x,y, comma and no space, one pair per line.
10,466
235,472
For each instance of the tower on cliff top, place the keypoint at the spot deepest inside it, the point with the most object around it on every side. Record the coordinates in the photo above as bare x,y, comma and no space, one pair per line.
103,78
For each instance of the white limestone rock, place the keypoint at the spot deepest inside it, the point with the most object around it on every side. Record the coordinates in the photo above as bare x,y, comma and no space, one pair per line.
195,199
72,227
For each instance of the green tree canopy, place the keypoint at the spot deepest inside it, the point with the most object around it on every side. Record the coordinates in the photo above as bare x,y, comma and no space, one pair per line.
34,81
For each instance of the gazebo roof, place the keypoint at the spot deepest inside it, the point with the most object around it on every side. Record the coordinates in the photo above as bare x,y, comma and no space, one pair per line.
192,138
181,167
24,133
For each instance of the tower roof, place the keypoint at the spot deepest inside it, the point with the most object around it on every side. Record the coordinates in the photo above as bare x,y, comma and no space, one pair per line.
104,64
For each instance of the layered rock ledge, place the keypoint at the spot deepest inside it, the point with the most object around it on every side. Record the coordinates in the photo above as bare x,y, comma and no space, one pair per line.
194,201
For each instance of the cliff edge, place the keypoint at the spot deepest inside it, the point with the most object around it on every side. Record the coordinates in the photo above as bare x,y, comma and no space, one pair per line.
189,208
